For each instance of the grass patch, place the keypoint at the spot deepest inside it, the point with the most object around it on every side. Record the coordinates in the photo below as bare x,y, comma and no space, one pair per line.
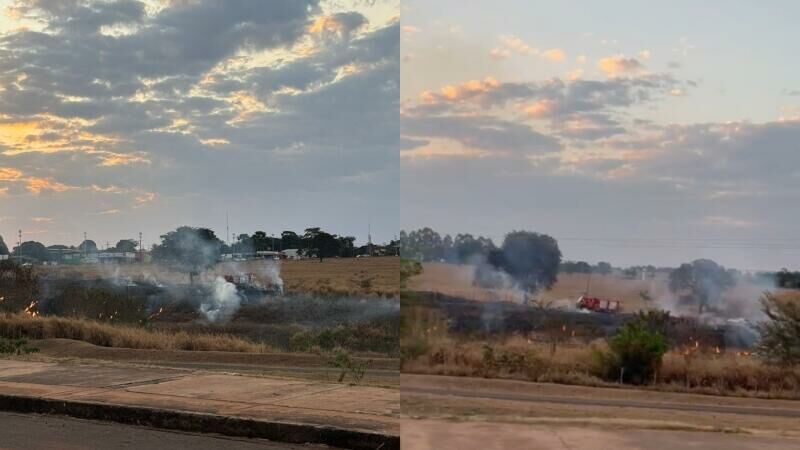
15,347
23,326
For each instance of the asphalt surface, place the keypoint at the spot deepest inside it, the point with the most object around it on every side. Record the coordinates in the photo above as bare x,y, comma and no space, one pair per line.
518,397
39,432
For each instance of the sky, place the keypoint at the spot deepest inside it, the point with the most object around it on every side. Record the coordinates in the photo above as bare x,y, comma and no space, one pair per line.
125,116
632,132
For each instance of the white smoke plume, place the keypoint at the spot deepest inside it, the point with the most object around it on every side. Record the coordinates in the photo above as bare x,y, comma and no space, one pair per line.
223,302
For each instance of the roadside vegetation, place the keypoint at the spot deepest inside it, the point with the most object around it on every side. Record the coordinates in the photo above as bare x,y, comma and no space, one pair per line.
24,326
638,354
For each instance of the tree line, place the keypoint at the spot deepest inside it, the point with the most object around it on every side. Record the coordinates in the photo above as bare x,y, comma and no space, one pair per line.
312,242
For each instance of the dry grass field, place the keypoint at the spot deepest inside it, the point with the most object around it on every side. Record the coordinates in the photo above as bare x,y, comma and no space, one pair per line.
518,357
22,325
378,276
635,295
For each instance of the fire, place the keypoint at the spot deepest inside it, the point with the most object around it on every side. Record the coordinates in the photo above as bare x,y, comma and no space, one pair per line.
30,309
155,314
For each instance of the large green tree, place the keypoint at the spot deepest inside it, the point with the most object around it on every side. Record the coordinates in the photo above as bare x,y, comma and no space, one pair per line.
3,247
32,249
530,259
126,246
190,250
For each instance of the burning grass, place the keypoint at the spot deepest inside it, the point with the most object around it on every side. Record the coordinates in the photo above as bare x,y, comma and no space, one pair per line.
21,325
429,347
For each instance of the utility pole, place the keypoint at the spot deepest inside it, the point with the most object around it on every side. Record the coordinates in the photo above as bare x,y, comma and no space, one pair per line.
369,238
85,247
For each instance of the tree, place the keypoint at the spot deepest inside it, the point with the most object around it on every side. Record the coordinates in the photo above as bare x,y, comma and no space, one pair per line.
780,335
190,250
3,247
603,268
702,282
126,246
290,239
531,259
320,244
346,246
88,246
32,249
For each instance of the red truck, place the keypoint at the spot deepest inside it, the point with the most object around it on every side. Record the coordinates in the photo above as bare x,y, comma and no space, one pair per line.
595,304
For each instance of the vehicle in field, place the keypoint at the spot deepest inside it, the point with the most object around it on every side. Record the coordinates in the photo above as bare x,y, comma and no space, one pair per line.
594,304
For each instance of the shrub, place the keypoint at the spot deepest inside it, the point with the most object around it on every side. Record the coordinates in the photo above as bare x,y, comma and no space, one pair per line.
15,346
780,336
635,354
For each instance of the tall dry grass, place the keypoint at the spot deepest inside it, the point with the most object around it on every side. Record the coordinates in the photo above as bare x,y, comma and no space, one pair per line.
572,362
22,325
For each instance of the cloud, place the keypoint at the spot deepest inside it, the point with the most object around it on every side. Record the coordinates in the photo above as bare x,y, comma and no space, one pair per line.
728,222
554,54
143,106
614,66
517,45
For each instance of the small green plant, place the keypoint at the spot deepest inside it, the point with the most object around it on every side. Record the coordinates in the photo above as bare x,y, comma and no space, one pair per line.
340,359
635,355
408,269
16,346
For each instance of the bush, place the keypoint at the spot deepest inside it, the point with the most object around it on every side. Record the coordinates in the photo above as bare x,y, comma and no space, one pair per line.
635,354
780,336
15,346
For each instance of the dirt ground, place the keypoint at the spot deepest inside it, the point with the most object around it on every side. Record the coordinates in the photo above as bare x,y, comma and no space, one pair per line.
454,435
466,413
635,295
378,276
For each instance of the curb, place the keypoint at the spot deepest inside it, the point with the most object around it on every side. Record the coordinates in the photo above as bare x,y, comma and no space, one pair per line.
293,433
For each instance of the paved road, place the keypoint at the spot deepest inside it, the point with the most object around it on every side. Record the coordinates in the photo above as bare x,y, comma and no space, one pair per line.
443,435
35,432
582,401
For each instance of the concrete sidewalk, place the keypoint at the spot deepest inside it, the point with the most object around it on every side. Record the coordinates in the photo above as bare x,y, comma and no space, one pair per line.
277,409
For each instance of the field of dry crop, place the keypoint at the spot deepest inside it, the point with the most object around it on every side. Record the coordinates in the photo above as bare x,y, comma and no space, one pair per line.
378,276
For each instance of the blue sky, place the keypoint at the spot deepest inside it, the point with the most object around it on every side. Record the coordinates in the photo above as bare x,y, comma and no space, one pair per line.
127,116
635,132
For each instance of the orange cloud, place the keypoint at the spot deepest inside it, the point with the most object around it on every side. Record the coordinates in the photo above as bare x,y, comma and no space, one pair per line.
554,54
9,174
614,66
37,185
542,108
325,24
460,92
110,159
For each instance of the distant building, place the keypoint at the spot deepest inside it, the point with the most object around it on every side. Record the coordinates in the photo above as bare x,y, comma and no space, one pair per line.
291,253
116,257
267,254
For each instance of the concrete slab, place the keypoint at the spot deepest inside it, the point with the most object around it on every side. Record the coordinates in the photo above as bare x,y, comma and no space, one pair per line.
235,388
82,375
268,404
364,400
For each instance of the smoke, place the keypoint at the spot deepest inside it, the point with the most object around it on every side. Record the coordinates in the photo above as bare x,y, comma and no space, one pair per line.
272,272
223,302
